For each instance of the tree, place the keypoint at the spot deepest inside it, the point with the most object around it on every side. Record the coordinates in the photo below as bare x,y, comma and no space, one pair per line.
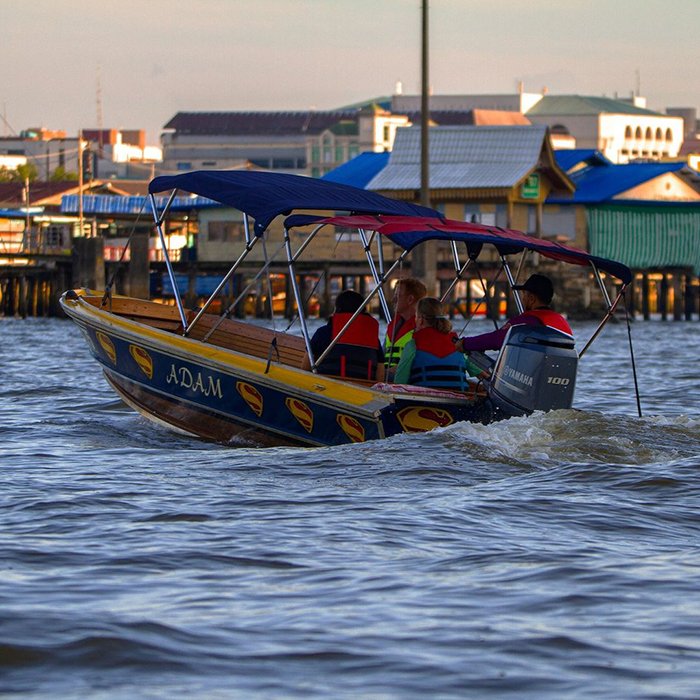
27,171
60,175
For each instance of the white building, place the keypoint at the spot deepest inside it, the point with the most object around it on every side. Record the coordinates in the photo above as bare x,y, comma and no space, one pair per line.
623,130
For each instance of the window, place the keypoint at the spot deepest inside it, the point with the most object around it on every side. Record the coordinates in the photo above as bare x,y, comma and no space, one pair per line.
283,163
327,154
315,154
314,172
339,151
472,213
353,150
669,135
54,236
638,133
635,152
15,152
628,132
184,166
301,163
208,163
647,134
645,153
624,152
225,231
659,134
386,132
260,162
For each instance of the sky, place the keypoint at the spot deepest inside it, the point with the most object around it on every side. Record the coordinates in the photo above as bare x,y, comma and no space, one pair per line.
156,58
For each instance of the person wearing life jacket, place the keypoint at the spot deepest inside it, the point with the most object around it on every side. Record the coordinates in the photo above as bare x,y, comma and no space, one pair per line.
430,358
358,353
537,296
407,293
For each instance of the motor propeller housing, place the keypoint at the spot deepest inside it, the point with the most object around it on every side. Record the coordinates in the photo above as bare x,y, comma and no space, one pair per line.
535,371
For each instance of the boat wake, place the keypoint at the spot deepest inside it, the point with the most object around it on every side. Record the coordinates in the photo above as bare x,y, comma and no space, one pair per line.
571,436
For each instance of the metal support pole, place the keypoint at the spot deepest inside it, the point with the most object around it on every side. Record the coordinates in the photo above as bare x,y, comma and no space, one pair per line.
171,274
604,321
297,297
601,284
223,282
367,299
511,282
375,275
457,278
246,228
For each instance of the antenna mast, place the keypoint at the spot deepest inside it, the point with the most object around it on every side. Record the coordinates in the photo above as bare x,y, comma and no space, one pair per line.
99,111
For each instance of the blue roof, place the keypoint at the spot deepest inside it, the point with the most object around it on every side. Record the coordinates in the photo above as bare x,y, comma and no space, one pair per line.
358,171
265,195
114,204
599,184
568,158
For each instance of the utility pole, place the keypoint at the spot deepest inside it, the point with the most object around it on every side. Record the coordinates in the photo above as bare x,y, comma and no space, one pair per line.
424,257
25,237
80,182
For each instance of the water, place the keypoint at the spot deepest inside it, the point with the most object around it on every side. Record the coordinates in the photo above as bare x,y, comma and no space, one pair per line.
556,556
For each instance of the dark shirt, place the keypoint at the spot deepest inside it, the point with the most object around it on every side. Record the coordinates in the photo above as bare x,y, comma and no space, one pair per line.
494,340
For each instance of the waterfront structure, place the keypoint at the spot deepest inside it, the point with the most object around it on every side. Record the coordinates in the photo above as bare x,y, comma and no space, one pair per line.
645,214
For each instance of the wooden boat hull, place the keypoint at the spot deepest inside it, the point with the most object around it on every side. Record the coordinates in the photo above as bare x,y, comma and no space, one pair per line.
222,395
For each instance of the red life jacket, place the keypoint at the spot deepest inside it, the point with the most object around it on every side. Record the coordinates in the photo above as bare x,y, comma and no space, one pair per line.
436,343
357,352
551,319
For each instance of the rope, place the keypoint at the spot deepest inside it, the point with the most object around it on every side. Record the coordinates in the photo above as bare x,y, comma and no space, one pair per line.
634,367
108,288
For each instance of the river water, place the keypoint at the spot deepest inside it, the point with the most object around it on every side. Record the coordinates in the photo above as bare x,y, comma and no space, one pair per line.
555,556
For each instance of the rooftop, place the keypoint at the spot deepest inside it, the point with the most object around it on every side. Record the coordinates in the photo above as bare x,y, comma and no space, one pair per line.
569,105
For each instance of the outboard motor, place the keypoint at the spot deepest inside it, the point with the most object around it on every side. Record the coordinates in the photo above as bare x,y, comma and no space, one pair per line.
535,371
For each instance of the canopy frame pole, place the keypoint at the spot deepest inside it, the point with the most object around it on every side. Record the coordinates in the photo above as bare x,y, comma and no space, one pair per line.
457,279
382,280
523,255
380,252
243,292
297,294
171,274
611,311
246,228
222,284
601,284
511,282
375,274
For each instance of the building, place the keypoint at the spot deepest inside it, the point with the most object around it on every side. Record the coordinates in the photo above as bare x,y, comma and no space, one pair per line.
622,130
498,175
109,153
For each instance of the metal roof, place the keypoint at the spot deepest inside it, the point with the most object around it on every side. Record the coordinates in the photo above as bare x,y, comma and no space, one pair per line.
570,105
600,184
111,204
358,171
568,158
257,123
463,157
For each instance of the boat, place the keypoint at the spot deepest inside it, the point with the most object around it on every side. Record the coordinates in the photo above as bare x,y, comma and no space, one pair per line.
223,379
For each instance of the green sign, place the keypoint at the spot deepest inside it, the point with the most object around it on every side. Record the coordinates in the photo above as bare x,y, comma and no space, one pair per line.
531,187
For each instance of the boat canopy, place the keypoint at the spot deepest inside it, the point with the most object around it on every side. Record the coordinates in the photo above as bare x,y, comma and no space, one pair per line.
265,195
409,231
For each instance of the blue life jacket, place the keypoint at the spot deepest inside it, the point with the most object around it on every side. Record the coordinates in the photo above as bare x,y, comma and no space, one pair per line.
437,363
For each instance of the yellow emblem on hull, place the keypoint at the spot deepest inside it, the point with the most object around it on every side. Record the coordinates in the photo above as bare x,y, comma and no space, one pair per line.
251,396
351,427
108,346
419,419
301,412
143,360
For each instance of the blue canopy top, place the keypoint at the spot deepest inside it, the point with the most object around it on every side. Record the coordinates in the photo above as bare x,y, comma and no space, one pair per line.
265,195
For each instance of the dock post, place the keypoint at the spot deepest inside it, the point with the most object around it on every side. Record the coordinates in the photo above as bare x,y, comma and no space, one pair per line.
191,295
688,297
646,310
139,267
88,262
677,297
663,297
327,309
